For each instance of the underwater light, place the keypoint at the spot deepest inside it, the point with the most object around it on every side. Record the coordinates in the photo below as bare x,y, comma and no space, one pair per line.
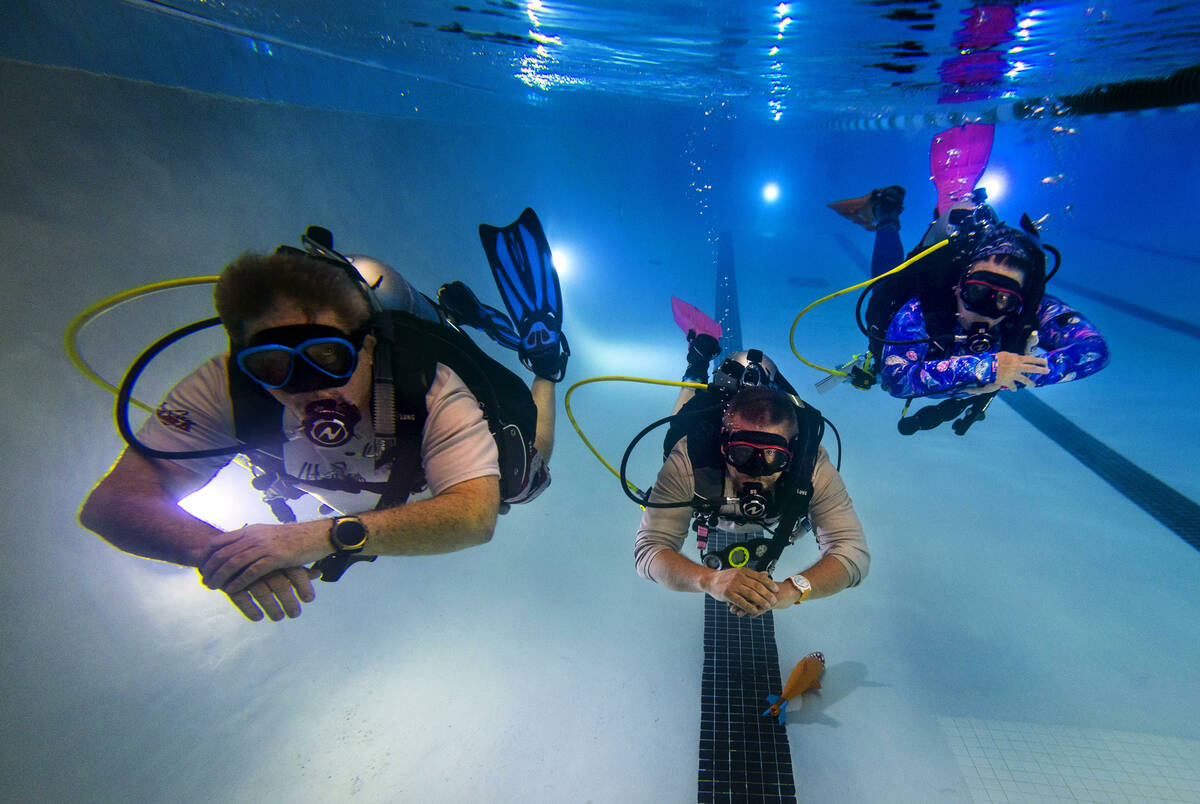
995,181
770,192
227,501
564,262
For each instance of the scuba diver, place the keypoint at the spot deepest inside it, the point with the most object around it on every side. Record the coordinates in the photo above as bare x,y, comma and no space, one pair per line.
343,382
743,461
971,319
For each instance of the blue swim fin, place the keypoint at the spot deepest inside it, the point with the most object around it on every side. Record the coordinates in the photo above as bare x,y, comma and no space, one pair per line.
462,307
524,269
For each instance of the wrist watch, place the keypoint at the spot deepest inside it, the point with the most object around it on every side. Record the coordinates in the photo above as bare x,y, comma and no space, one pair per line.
347,534
801,583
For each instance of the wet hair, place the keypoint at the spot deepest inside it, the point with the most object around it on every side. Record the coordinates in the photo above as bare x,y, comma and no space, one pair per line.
253,284
759,405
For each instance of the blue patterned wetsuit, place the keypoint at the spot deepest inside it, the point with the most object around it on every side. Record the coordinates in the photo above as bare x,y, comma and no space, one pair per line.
1072,346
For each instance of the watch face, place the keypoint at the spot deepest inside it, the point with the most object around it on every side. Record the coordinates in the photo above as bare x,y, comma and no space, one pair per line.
349,534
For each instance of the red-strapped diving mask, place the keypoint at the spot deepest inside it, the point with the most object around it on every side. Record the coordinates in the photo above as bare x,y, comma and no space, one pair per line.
756,453
990,294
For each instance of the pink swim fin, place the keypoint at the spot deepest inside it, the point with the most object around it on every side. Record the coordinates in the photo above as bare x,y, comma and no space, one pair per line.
957,158
691,319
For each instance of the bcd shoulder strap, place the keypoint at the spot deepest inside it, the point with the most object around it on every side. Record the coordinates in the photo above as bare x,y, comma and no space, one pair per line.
927,280
257,416
505,400
700,421
413,369
795,489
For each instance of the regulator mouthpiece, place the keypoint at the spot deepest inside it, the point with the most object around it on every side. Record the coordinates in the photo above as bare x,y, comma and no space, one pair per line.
752,502
330,423
981,341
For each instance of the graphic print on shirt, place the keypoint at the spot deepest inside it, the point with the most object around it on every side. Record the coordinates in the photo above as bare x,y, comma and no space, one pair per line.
338,470
1071,344
179,418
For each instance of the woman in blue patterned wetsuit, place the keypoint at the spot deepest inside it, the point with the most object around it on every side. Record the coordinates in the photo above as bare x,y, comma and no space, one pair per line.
975,321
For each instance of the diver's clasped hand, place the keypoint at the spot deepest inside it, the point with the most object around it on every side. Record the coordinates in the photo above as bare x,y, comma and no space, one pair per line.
746,591
277,595
245,556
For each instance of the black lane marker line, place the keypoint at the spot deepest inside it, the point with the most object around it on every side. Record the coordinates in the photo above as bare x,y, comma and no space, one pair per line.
744,757
1143,489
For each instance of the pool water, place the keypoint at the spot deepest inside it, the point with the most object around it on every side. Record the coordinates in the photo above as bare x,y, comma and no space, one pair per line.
1027,632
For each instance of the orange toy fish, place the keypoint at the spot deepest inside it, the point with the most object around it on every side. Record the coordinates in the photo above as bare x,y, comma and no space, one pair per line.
803,678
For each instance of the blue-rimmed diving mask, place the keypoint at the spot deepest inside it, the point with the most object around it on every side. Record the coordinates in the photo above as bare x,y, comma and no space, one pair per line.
301,357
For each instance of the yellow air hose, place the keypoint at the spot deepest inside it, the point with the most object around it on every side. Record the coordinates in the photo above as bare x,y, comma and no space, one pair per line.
575,424
71,335
792,333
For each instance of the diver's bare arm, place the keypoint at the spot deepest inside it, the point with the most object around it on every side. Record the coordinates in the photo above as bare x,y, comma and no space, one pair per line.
677,572
543,392
828,577
135,509
462,516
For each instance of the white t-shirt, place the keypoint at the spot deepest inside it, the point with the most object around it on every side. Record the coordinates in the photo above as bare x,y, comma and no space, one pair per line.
456,445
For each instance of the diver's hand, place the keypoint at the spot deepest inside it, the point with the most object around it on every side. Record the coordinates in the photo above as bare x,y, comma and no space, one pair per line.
983,389
746,591
788,595
278,594
249,554
1012,369
785,598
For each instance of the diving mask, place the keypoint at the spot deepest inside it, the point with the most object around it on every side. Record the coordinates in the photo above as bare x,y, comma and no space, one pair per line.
990,294
755,453
301,357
